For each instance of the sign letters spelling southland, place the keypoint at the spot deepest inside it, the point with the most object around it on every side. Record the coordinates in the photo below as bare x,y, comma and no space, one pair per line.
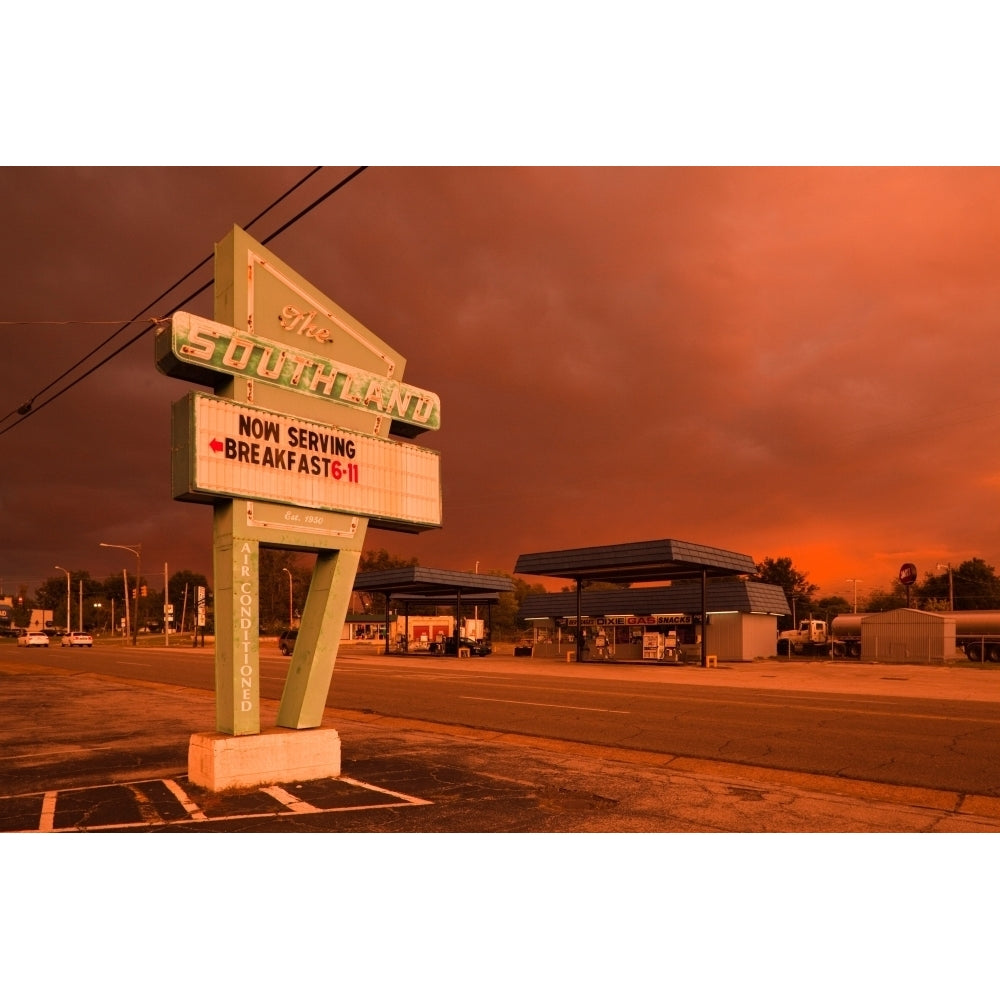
293,451
205,352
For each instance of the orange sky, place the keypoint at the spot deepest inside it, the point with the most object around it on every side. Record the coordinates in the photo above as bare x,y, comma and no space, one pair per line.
779,361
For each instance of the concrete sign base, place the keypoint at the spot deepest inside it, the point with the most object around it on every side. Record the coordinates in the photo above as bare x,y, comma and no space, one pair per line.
218,761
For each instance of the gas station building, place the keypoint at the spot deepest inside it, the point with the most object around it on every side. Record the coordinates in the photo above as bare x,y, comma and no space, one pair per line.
672,601
409,587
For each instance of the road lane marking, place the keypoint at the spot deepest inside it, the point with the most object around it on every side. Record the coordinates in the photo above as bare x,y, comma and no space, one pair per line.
47,822
544,704
61,752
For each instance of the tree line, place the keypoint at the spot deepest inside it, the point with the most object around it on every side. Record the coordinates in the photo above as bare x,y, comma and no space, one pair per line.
101,603
970,586
285,576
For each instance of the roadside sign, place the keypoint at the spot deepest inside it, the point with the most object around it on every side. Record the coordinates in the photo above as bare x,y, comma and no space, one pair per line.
293,451
234,450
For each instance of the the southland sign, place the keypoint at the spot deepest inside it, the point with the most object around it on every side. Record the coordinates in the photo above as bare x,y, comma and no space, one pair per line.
292,451
201,351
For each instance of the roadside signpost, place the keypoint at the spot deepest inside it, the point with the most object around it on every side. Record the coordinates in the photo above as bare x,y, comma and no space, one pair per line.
293,451
908,577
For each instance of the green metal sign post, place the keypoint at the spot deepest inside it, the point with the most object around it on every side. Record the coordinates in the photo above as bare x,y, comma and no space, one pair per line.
292,451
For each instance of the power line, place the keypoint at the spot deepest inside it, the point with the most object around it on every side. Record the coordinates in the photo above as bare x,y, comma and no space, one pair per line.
319,201
26,408
67,322
29,408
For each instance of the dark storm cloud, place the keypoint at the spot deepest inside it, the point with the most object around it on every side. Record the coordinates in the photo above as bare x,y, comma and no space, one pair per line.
778,361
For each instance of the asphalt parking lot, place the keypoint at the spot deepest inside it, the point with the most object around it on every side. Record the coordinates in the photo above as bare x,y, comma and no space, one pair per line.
85,752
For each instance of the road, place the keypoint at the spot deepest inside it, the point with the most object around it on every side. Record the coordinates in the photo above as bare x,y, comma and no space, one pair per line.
918,727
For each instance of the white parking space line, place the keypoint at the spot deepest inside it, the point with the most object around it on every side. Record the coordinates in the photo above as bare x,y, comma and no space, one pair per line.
289,801
178,793
411,799
151,817
147,810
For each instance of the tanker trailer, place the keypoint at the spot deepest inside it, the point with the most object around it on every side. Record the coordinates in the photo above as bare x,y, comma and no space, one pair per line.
977,633
845,630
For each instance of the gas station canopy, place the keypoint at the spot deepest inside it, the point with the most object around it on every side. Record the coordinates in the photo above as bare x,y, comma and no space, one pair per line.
421,584
637,562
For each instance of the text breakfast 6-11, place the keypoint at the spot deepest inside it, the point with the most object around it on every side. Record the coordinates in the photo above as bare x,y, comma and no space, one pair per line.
311,452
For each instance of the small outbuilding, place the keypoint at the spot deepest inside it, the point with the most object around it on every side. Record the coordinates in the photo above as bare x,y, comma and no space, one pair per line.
906,635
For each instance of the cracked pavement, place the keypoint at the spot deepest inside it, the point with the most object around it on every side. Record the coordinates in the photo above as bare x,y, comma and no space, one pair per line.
89,752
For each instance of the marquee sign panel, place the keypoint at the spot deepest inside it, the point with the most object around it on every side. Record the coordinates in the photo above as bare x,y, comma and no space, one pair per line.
227,449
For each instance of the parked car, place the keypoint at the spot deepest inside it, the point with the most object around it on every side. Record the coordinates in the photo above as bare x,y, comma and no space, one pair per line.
33,639
77,639
476,647
286,641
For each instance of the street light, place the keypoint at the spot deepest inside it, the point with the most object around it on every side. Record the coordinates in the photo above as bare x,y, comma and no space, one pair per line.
855,582
137,552
291,614
69,598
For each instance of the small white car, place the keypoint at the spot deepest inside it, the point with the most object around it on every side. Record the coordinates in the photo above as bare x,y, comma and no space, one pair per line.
33,639
77,639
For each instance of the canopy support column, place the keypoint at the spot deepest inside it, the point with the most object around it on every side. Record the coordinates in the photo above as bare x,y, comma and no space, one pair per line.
704,618
387,623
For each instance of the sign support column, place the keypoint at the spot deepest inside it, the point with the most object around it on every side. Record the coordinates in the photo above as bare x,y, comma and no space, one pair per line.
304,698
237,631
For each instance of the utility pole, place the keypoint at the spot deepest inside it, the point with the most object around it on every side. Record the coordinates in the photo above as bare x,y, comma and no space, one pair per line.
855,582
137,552
69,599
166,605
951,585
291,604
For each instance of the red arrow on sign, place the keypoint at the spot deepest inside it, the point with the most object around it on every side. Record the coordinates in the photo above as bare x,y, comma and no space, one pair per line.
216,445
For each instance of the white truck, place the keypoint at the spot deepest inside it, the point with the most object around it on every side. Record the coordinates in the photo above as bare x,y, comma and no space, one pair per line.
41,621
811,637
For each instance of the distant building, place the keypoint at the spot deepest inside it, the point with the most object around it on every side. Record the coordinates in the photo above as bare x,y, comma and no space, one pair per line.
6,615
